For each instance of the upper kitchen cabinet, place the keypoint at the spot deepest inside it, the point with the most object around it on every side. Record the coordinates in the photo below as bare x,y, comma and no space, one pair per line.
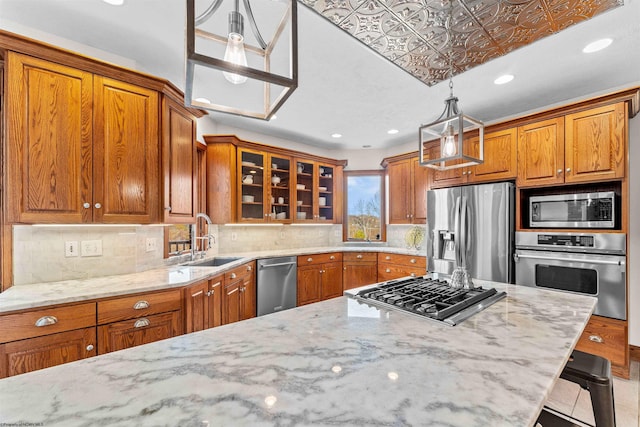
179,156
255,183
408,185
586,146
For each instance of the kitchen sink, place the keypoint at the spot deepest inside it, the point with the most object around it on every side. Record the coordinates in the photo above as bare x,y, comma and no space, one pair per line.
213,262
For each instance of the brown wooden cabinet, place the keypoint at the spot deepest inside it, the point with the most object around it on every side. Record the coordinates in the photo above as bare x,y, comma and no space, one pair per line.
586,146
239,299
203,304
85,147
255,183
139,319
359,269
392,266
40,338
408,185
319,277
178,163
607,338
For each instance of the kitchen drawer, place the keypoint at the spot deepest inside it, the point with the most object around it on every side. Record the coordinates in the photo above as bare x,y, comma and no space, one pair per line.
388,258
24,325
243,270
133,332
139,305
360,256
605,337
319,258
394,271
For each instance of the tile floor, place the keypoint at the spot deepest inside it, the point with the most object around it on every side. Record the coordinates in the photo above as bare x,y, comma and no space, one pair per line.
570,399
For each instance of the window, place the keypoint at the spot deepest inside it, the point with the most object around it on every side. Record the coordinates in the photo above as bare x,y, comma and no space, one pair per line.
364,208
178,239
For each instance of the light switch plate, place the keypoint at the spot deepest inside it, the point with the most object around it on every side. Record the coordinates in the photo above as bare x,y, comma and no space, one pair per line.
71,248
91,247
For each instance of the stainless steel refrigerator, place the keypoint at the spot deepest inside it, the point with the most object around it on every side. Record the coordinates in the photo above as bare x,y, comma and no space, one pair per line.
478,219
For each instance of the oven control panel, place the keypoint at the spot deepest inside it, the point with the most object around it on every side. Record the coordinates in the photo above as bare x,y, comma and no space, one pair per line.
566,240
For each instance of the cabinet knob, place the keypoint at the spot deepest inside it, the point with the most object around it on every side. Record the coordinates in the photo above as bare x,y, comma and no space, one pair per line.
407,215
141,323
559,171
309,259
141,305
413,261
249,268
233,275
86,205
568,170
388,270
345,268
464,173
596,338
97,206
359,256
46,321
89,347
209,293
413,274
168,208
387,257
332,257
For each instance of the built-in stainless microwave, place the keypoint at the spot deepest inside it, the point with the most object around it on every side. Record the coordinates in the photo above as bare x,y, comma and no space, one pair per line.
575,210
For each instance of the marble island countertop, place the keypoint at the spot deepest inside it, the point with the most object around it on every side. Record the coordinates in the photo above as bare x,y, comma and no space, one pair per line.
336,362
51,293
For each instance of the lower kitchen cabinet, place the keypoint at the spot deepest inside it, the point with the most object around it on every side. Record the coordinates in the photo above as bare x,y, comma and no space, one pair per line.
40,338
607,338
359,269
319,277
203,304
28,355
239,299
139,319
393,266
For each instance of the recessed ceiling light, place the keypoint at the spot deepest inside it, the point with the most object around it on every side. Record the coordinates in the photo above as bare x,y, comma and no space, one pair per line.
505,78
392,131
597,45
114,2
336,135
203,100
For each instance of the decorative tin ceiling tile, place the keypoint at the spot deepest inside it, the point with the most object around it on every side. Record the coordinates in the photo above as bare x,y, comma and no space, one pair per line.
413,33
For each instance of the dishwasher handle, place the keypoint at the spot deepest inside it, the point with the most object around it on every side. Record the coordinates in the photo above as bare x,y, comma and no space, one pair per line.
280,264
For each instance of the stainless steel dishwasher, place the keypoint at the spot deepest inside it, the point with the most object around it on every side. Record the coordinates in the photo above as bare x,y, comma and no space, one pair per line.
276,284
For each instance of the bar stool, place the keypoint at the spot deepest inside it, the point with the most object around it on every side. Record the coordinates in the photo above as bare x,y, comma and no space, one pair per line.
592,373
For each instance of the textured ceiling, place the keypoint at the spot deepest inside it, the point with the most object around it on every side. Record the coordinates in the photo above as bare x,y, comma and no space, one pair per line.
413,35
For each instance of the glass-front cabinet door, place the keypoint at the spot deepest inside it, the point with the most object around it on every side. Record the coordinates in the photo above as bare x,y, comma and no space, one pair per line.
305,181
325,198
280,194
252,201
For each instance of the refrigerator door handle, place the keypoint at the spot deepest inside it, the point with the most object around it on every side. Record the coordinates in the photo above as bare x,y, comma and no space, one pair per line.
464,228
457,233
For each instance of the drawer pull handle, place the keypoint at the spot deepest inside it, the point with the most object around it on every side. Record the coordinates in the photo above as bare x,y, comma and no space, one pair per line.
233,275
413,274
309,259
387,257
413,261
141,305
388,270
359,256
46,321
197,293
90,347
141,323
249,268
332,257
596,338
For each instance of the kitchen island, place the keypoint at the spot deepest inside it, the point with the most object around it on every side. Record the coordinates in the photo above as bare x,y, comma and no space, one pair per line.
336,362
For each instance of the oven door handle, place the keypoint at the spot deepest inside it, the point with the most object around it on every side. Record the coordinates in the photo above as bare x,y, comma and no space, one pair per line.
517,257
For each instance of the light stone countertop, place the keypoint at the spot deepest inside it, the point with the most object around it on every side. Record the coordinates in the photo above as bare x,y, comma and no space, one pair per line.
333,363
22,297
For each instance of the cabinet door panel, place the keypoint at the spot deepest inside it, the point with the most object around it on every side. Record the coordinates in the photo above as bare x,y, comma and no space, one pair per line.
500,157
231,302
215,298
126,148
49,124
420,187
596,144
541,153
399,192
130,333
309,282
359,274
196,307
248,303
179,157
32,354
331,280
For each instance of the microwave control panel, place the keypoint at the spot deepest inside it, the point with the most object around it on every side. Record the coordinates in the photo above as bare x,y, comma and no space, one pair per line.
566,240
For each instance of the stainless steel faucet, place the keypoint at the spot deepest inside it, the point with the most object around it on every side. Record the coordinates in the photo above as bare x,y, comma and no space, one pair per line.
195,237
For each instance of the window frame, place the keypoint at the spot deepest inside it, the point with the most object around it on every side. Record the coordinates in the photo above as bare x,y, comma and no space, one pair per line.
345,221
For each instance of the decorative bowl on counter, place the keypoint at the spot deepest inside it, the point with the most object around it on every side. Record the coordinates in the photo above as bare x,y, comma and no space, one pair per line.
246,198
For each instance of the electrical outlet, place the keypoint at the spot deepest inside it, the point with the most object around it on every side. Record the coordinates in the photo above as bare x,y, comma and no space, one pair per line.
152,244
91,247
234,236
71,248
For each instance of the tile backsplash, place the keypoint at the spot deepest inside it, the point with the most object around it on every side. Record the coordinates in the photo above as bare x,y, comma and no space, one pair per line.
234,239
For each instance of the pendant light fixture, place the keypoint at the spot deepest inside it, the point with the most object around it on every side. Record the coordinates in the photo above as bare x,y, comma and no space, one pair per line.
461,137
237,72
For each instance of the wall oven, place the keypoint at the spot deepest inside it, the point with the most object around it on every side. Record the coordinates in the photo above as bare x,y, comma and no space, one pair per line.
574,210
584,263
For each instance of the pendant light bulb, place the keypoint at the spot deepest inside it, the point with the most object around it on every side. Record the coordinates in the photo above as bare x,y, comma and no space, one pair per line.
234,52
448,142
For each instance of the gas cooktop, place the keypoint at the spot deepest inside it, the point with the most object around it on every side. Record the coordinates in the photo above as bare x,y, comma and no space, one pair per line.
433,299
